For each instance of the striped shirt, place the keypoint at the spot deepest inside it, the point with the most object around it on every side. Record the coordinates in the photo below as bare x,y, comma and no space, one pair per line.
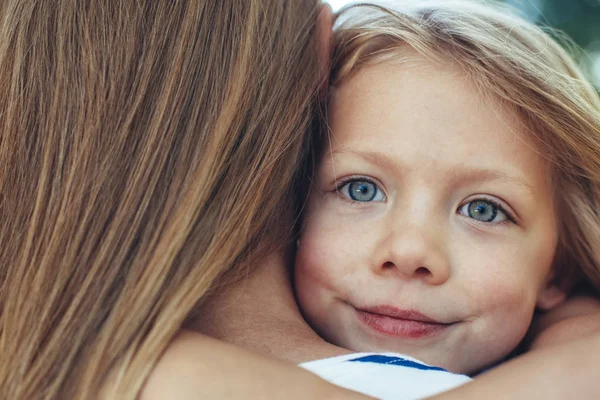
385,375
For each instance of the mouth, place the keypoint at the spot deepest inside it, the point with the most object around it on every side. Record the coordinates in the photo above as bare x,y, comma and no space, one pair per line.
393,321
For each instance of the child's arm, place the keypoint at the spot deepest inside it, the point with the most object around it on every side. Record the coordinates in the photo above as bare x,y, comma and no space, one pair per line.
578,317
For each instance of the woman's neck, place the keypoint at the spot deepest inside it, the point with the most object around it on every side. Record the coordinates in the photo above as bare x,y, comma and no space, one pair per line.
260,313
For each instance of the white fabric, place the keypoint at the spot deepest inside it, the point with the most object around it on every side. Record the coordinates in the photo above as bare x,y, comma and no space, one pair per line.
385,375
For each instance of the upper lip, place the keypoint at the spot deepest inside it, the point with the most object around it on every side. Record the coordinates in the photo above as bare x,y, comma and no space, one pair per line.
395,312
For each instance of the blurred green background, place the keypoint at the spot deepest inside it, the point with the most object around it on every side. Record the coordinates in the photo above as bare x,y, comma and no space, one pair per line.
580,19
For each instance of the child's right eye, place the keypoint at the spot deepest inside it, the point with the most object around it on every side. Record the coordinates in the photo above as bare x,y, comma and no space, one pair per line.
361,190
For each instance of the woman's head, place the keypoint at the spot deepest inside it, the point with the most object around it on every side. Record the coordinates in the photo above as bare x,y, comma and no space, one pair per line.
146,149
437,210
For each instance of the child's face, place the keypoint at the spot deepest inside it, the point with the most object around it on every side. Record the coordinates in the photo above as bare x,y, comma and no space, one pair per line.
431,227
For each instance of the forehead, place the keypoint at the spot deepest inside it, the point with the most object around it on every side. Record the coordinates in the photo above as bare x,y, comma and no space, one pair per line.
429,114
410,95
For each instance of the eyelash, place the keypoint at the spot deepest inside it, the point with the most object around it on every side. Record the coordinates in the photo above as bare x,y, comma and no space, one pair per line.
350,179
509,216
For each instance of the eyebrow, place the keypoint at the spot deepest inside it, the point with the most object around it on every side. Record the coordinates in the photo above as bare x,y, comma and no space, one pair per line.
464,173
379,159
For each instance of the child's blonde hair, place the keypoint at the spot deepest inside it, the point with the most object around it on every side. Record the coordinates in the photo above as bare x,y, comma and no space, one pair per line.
522,67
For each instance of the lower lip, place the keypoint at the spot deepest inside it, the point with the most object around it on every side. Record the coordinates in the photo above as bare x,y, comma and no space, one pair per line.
400,327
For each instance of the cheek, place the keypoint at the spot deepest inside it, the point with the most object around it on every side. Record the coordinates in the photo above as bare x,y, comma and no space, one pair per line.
506,271
327,259
503,286
314,268
315,276
504,298
311,267
325,249
502,315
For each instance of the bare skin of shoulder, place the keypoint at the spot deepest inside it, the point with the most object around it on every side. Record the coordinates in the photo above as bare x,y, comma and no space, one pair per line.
260,313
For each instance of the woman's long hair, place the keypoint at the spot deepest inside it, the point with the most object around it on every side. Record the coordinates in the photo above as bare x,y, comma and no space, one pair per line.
145,149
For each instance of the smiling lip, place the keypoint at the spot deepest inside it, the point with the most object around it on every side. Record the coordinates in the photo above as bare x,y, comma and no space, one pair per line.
392,321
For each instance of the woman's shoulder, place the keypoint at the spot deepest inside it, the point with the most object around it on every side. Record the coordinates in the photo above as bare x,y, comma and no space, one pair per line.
184,359
198,366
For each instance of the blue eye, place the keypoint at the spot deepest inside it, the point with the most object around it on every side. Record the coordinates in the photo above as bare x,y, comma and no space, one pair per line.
483,211
361,191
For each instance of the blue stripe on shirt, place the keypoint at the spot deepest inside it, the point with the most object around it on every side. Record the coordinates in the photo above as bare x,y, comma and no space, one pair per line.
378,359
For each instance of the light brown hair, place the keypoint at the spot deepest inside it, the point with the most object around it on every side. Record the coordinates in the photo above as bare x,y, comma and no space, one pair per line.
145,149
523,68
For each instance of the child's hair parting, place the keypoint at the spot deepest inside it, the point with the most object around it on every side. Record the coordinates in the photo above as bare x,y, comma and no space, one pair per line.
520,66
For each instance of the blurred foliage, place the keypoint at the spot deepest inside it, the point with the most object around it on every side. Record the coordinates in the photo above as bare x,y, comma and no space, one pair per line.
579,19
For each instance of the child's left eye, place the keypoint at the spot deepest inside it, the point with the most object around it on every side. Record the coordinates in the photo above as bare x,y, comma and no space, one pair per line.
484,211
361,190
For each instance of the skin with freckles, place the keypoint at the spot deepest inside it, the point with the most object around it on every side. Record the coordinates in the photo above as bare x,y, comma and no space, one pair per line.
430,229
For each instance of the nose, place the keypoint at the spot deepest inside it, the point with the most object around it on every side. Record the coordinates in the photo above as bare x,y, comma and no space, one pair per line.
413,254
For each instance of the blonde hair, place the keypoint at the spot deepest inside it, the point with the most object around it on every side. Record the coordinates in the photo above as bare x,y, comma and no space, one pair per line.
146,148
522,67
